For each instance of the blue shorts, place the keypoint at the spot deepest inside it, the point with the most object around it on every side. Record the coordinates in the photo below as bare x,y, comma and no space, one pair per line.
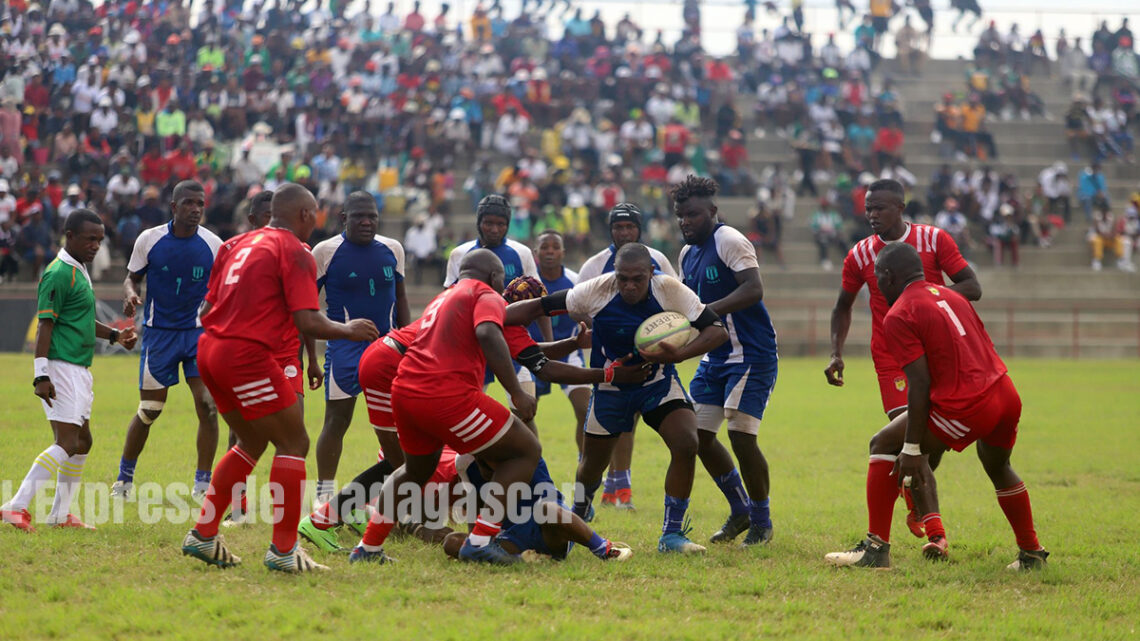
744,387
613,411
542,388
528,536
342,363
163,350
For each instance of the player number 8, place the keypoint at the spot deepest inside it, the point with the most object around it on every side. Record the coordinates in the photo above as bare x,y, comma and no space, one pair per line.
953,317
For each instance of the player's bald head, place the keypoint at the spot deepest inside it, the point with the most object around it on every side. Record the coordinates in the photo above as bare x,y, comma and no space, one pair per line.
897,266
294,208
483,265
633,254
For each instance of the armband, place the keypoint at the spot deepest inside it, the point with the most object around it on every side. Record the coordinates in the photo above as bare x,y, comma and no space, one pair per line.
40,367
554,304
532,358
911,449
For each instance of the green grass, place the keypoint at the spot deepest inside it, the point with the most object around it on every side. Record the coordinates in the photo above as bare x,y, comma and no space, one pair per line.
1077,451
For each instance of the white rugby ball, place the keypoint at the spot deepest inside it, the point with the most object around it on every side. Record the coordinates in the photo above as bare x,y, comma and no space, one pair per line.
666,327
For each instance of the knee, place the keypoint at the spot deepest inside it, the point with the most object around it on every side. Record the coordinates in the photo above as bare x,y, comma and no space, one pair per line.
149,411
685,446
83,444
206,409
70,444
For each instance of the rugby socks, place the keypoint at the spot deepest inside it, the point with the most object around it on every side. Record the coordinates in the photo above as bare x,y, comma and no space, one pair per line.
233,469
674,514
932,523
611,483
326,487
758,513
598,545
623,480
201,479
1014,501
733,489
67,482
287,479
882,491
353,496
484,531
582,502
127,470
379,527
46,464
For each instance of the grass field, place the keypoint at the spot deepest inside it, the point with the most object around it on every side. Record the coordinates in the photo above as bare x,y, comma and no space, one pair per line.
1078,451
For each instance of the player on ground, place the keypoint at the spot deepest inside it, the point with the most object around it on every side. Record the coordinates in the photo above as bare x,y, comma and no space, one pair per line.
617,303
261,293
625,227
175,259
437,400
362,274
734,381
939,254
65,347
555,278
960,393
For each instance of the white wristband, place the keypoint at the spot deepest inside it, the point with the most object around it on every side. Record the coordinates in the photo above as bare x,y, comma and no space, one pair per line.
40,367
912,449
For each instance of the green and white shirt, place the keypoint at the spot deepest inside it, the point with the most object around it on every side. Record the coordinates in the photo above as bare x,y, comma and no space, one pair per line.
66,297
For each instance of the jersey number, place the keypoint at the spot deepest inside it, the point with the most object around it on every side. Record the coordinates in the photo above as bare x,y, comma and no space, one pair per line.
953,317
432,310
371,287
239,259
179,289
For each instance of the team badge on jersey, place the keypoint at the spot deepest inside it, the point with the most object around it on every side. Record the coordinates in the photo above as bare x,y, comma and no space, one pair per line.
933,290
900,383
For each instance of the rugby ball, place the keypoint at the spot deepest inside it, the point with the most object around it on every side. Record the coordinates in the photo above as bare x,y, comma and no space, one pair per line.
667,327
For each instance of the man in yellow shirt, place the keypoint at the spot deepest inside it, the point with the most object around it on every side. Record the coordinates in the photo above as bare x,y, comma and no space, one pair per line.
973,129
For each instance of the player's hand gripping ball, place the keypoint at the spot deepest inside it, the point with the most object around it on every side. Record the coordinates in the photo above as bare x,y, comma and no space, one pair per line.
524,288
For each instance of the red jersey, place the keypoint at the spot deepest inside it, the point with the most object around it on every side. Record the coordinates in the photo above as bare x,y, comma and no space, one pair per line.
940,323
259,279
939,254
445,358
517,339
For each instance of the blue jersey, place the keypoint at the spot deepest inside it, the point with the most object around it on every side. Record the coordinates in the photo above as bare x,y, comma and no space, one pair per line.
517,260
603,263
616,321
563,327
177,272
709,270
360,281
541,487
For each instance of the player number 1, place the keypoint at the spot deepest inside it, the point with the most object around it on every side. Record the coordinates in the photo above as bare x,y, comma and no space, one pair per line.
953,317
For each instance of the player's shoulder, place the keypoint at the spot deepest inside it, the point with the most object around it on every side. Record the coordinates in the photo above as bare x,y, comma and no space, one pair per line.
392,244
592,267
727,234
593,294
149,237
329,244
863,252
210,238
462,249
570,275
664,285
519,248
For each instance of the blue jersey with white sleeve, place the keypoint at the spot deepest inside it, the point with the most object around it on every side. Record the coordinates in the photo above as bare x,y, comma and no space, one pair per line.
562,326
603,263
517,259
709,270
177,272
360,280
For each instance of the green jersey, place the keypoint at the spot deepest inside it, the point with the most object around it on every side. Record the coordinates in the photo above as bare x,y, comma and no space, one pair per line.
66,297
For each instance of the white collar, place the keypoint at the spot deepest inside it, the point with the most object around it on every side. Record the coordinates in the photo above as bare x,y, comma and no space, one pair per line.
70,260
899,239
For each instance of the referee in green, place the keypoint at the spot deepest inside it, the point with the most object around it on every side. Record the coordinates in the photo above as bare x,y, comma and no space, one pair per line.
65,347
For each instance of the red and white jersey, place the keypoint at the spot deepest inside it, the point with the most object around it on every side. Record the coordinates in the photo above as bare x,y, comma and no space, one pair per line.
259,279
445,359
940,323
938,251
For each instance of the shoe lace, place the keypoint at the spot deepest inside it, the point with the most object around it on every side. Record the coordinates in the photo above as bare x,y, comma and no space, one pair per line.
686,526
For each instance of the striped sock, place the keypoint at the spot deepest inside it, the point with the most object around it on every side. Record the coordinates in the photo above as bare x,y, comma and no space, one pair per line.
623,480
232,471
1014,502
598,545
932,523
326,487
674,514
733,489
483,532
70,471
758,514
127,470
45,465
611,483
201,478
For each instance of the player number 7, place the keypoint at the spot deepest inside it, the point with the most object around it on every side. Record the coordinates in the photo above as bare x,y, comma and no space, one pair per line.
953,317
239,259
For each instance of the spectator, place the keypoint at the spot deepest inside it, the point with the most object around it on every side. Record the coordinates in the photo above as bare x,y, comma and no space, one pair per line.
952,221
1004,235
35,243
827,231
977,141
888,145
767,230
1057,189
1092,188
1106,233
422,245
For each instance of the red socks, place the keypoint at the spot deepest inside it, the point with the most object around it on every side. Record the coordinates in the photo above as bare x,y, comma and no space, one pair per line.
234,467
287,482
882,491
1014,501
322,517
484,527
379,527
932,523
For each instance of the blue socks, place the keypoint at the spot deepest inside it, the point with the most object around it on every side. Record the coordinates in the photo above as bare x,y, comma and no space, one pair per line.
733,489
674,514
201,478
622,480
598,545
611,483
758,514
127,470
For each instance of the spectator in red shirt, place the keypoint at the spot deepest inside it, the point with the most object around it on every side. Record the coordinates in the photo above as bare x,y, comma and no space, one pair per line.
36,94
153,169
888,145
181,162
734,176
415,20
673,142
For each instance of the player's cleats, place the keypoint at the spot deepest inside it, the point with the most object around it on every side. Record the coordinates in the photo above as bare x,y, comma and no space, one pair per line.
358,520
757,536
624,500
360,555
1029,560
733,526
73,521
211,550
938,549
871,552
678,542
198,494
617,551
915,524
295,561
122,490
609,498
325,540
19,519
321,500
491,553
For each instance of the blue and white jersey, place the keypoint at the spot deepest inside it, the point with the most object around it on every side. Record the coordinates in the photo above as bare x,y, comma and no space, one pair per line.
177,272
615,322
562,326
360,281
709,270
542,487
517,260
603,263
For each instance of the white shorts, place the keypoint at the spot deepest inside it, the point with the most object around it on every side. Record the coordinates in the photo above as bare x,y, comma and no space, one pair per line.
575,359
74,393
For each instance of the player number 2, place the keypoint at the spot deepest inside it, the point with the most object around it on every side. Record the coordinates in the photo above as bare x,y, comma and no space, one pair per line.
953,317
239,259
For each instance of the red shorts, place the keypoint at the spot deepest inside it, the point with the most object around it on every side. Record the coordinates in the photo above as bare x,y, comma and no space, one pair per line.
467,423
445,472
291,367
892,382
992,420
243,375
376,371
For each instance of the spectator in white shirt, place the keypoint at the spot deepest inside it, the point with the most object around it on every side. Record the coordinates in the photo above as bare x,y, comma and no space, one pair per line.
72,200
420,243
1057,189
105,119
